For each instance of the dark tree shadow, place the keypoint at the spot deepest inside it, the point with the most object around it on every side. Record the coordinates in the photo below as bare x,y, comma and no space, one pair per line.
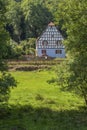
29,118
52,81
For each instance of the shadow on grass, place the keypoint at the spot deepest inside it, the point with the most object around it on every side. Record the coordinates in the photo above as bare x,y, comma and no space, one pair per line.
29,118
52,80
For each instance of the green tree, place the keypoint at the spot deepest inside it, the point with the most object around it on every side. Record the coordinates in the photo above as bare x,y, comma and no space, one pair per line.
6,80
28,18
74,15
16,23
28,46
37,17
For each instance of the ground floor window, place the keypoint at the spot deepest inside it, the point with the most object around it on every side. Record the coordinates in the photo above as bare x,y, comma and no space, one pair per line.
58,51
44,52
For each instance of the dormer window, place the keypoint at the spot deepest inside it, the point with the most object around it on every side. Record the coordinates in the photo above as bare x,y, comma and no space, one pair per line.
44,43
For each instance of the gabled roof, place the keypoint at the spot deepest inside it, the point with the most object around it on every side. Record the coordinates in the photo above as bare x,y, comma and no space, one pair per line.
51,24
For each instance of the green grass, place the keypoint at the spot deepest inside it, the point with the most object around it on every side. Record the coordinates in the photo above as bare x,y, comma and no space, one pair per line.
37,105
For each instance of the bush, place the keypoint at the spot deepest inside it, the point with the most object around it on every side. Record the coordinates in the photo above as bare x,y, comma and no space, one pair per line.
6,82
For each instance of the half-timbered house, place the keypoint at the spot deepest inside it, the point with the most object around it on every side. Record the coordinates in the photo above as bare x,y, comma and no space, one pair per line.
50,43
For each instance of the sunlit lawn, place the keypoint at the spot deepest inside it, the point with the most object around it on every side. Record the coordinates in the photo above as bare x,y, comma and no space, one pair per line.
37,105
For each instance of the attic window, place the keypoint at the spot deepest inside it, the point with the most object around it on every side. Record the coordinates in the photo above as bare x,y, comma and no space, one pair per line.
44,43
50,27
58,42
52,35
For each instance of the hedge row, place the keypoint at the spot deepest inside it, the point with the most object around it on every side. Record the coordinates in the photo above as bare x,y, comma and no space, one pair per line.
30,68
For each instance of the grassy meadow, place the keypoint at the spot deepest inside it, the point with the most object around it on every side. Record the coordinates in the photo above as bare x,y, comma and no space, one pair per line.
37,105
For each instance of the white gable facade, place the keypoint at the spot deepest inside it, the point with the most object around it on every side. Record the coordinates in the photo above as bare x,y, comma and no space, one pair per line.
50,43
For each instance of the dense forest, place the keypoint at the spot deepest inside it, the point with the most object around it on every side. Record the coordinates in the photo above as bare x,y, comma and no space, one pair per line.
28,18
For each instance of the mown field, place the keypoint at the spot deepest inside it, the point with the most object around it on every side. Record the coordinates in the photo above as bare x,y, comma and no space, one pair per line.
37,105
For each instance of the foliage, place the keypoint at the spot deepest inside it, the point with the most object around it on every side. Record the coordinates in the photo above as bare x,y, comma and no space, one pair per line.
28,18
16,23
28,46
37,17
3,36
6,80
74,15
16,51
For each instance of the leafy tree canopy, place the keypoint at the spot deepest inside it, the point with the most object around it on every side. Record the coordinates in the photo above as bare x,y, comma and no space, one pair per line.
28,18
6,80
74,15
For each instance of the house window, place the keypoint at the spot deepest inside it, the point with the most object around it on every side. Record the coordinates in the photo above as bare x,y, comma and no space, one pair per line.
58,51
44,42
52,35
43,52
58,42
